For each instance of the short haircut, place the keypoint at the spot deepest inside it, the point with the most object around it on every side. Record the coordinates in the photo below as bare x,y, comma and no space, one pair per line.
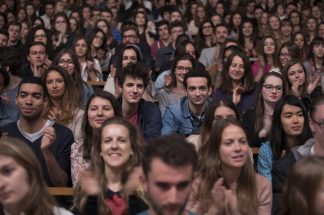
32,80
173,150
129,26
315,102
222,25
199,72
161,23
36,44
134,70
175,24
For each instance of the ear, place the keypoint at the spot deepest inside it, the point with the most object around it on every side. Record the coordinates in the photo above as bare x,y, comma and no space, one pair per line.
210,90
144,182
311,125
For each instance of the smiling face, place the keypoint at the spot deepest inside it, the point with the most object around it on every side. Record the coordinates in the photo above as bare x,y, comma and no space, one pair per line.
81,48
98,40
182,68
99,110
234,147
299,41
292,120
247,29
66,62
284,56
116,147
129,56
14,184
269,46
236,69
197,91
55,84
132,90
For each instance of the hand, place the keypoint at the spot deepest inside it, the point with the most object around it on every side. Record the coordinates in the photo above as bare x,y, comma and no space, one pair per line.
47,63
218,196
313,83
90,64
237,95
231,206
88,183
37,70
48,138
167,80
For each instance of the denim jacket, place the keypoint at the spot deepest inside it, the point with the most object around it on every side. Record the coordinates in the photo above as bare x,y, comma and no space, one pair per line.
177,119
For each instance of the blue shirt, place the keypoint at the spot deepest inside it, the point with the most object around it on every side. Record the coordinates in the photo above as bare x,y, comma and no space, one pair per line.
265,160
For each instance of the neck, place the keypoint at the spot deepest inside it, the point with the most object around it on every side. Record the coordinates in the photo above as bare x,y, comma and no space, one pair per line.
231,174
29,126
197,110
269,107
269,59
318,62
129,109
292,141
113,179
56,102
81,60
166,41
236,84
12,210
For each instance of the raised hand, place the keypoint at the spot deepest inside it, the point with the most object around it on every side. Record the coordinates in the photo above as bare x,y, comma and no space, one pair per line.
48,138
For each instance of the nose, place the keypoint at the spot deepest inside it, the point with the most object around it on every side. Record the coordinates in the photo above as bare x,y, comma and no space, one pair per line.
54,84
114,144
99,112
173,195
28,100
237,147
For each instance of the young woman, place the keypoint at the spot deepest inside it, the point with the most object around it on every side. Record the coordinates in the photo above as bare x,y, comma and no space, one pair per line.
289,128
198,18
248,38
116,136
234,25
286,30
40,34
23,189
300,41
205,37
315,61
226,182
62,105
96,38
303,192
141,21
61,29
237,84
288,51
110,42
268,59
100,107
67,59
310,29
220,109
25,28
258,121
274,26
296,81
90,67
175,90
296,20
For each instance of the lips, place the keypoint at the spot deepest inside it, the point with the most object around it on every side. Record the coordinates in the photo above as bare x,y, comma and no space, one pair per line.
27,110
238,158
4,195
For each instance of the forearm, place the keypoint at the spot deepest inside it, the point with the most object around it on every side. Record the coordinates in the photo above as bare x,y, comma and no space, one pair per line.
56,173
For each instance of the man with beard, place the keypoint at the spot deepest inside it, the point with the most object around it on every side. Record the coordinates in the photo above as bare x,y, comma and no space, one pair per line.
51,142
169,163
209,56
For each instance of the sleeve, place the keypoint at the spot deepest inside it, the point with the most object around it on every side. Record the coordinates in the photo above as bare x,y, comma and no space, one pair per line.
153,127
264,196
265,161
203,58
77,160
162,101
168,122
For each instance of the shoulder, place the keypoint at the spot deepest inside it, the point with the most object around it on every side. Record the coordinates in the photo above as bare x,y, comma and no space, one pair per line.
61,211
10,126
62,130
264,188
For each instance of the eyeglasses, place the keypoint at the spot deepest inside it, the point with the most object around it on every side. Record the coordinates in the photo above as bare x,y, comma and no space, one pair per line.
182,68
320,124
285,55
270,87
41,36
68,62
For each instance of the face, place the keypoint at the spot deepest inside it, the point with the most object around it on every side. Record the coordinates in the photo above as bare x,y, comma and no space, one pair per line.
269,46
14,184
198,91
96,15
264,18
272,89
190,49
86,13
220,9
164,32
102,26
106,15
55,84
37,55
49,9
236,69
200,12
292,120
207,29
296,75
3,40
216,20
81,48
316,12
284,56
258,13
234,147
40,36
130,37
73,25
299,41
98,39
221,34
60,24
168,187
140,19
14,32
175,32
318,117
286,30
2,22
294,17
129,56
116,147
66,62
247,29
132,90
100,110
311,24
30,101
223,112
182,68
237,20
318,50
24,30
274,23
21,15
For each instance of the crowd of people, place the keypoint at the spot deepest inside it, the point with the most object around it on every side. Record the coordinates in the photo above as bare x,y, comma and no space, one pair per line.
162,107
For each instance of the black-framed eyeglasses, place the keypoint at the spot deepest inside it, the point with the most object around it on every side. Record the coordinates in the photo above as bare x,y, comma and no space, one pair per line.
270,87
320,124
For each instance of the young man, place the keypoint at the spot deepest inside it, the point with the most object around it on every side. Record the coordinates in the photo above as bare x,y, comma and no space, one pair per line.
51,142
186,116
14,36
313,146
164,37
49,14
37,60
209,56
133,80
169,164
